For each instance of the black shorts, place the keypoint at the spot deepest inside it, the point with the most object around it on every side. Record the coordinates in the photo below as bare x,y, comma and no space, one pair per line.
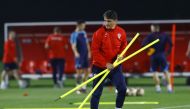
10,66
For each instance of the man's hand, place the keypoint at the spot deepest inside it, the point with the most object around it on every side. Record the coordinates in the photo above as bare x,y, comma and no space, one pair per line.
188,54
16,60
46,46
109,66
77,55
89,55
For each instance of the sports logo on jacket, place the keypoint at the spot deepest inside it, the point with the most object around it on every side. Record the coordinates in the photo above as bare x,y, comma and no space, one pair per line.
106,34
119,35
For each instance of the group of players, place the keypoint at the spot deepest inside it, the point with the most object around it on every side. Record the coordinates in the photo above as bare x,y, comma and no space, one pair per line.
107,43
56,45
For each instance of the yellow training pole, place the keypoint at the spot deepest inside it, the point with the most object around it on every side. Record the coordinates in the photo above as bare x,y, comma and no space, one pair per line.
99,74
105,75
118,63
127,47
84,83
135,53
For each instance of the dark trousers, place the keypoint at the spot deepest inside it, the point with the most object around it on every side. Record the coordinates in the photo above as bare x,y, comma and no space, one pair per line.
58,68
118,81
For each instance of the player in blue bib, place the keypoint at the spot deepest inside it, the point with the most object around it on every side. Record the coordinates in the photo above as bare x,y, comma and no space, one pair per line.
81,49
158,55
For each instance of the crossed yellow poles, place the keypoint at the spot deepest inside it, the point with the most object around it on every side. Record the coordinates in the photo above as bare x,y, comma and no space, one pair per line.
106,71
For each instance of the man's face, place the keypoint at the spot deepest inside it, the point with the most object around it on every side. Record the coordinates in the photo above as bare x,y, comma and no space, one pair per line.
154,28
12,35
82,26
109,23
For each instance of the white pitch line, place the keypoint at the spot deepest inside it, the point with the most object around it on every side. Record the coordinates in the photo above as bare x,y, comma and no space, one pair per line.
173,107
113,103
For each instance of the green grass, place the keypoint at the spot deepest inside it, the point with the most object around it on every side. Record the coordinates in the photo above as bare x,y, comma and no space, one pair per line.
42,95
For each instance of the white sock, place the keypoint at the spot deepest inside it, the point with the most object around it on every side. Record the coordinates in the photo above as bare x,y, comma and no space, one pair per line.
84,87
169,87
22,84
118,108
7,80
158,88
116,91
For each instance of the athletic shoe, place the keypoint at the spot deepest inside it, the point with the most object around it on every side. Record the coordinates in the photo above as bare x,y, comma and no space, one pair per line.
22,84
82,90
78,92
60,84
3,85
169,88
158,89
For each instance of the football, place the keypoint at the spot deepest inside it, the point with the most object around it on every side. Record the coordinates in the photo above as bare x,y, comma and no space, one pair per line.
140,92
131,92
135,92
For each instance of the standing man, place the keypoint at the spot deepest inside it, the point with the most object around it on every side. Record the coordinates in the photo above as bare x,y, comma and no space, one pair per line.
107,43
158,55
57,45
188,50
10,62
81,49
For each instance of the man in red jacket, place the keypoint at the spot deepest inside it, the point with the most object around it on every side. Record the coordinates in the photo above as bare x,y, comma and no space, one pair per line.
107,43
56,45
10,62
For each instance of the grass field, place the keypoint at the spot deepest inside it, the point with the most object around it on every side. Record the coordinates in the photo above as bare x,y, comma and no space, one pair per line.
42,95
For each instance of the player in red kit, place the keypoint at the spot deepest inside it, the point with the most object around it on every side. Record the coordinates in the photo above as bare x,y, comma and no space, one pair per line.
107,43
10,62
188,50
56,45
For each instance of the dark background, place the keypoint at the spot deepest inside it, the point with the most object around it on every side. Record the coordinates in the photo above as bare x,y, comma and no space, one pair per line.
71,10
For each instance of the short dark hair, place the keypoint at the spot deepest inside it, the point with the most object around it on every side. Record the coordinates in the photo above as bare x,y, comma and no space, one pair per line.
110,14
10,30
155,25
80,22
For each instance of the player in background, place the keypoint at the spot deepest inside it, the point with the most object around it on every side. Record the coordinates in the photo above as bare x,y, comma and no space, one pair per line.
158,55
188,50
107,43
10,62
56,44
81,49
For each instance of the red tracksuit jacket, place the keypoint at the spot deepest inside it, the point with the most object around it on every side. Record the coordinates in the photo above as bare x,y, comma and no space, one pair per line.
107,44
9,55
56,44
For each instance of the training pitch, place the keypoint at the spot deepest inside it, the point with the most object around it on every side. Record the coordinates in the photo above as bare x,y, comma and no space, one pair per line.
41,95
